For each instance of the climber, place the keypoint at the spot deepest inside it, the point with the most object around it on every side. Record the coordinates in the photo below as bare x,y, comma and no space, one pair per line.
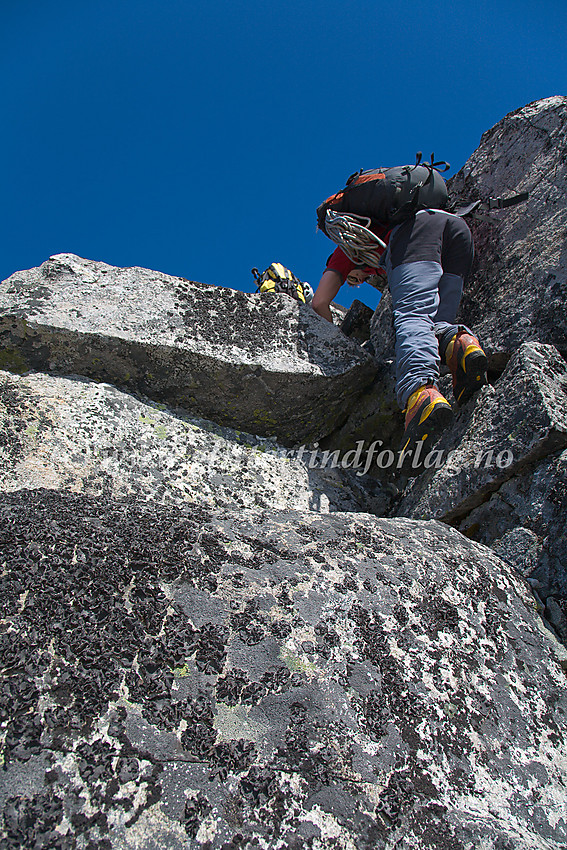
427,260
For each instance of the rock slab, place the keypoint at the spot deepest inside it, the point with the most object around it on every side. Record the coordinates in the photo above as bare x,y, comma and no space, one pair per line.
86,437
266,365
524,521
276,680
518,290
498,435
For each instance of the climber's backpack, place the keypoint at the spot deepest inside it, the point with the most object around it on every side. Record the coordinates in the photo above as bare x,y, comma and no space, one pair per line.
375,201
388,196
277,278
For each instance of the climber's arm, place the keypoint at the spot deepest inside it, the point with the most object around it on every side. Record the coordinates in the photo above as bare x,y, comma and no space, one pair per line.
328,288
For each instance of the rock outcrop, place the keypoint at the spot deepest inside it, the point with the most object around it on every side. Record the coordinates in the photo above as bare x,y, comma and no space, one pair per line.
266,366
275,679
510,427
517,292
85,437
219,629
514,297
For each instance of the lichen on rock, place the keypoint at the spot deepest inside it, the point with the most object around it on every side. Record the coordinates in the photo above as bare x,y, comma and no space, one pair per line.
282,677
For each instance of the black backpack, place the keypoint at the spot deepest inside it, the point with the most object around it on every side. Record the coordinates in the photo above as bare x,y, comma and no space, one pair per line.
388,196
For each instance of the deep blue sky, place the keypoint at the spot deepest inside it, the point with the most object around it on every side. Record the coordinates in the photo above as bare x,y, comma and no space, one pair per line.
197,138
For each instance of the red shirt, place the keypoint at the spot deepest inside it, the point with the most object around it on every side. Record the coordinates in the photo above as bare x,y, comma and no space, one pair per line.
341,264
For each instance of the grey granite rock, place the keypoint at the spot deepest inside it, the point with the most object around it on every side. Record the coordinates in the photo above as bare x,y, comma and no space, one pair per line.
520,547
524,521
518,289
356,322
374,426
496,436
556,616
194,664
268,366
82,436
189,678
382,333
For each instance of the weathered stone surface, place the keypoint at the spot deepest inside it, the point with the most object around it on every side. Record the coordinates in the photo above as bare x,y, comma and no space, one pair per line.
82,436
266,366
556,616
382,334
524,521
338,312
214,677
518,289
374,424
498,435
236,679
377,415
356,323
519,546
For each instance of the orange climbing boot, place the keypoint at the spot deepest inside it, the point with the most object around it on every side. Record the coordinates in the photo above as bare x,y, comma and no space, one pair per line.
467,362
427,415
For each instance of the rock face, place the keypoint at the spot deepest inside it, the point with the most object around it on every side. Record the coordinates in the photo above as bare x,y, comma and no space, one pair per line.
512,425
524,521
517,292
214,638
77,435
356,323
234,679
265,365
515,295
499,474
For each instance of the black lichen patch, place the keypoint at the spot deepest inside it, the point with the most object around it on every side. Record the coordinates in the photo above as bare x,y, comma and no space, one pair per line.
249,624
199,308
106,772
374,713
211,648
280,629
411,798
196,810
269,552
231,757
263,803
199,737
33,822
438,615
236,689
348,583
371,637
19,422
398,796
318,751
259,784
327,638
58,817
83,615
432,829
398,701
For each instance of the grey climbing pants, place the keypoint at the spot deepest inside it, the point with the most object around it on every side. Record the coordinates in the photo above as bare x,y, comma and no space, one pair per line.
427,261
